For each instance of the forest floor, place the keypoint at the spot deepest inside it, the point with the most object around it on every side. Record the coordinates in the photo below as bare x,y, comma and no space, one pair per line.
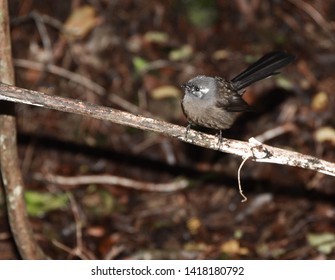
140,52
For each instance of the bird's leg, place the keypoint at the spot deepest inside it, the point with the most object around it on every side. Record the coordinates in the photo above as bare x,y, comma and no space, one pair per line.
188,129
219,139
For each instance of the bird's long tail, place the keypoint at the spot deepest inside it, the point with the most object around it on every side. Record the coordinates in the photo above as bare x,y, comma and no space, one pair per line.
261,69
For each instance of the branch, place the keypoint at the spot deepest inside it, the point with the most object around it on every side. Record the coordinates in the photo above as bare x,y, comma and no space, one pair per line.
253,150
10,171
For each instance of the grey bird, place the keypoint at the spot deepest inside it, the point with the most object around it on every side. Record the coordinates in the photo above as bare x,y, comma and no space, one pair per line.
214,102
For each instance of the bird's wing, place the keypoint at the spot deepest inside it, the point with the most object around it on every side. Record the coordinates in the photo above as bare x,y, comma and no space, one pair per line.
228,98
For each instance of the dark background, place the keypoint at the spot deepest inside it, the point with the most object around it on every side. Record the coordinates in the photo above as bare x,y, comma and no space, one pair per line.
142,51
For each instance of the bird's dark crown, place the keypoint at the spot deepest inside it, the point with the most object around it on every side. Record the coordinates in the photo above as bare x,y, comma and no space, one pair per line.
199,86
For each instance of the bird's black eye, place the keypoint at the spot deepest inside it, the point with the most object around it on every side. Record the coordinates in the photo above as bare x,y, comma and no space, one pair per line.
196,88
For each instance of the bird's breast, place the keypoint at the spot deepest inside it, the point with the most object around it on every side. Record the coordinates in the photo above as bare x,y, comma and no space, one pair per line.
206,113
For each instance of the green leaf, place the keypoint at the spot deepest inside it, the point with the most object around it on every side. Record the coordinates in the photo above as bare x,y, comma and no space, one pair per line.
284,83
140,64
40,203
181,54
156,37
323,242
201,13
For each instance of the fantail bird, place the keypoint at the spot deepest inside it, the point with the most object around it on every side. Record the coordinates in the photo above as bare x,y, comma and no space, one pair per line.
214,102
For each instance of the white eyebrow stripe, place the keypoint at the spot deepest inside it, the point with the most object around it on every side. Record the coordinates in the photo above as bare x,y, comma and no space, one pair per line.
204,90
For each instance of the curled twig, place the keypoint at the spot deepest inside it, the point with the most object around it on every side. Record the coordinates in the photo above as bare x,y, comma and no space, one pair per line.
239,180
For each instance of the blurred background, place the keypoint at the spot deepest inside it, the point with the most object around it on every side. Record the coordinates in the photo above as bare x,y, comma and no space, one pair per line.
133,56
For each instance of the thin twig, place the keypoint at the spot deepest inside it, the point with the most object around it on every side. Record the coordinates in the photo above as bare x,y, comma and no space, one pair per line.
257,151
316,16
113,180
78,79
80,250
42,30
275,132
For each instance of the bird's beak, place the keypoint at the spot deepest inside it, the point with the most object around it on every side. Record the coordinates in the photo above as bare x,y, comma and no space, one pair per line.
186,87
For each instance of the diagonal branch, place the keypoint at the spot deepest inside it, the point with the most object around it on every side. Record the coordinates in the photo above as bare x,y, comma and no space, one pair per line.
253,150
